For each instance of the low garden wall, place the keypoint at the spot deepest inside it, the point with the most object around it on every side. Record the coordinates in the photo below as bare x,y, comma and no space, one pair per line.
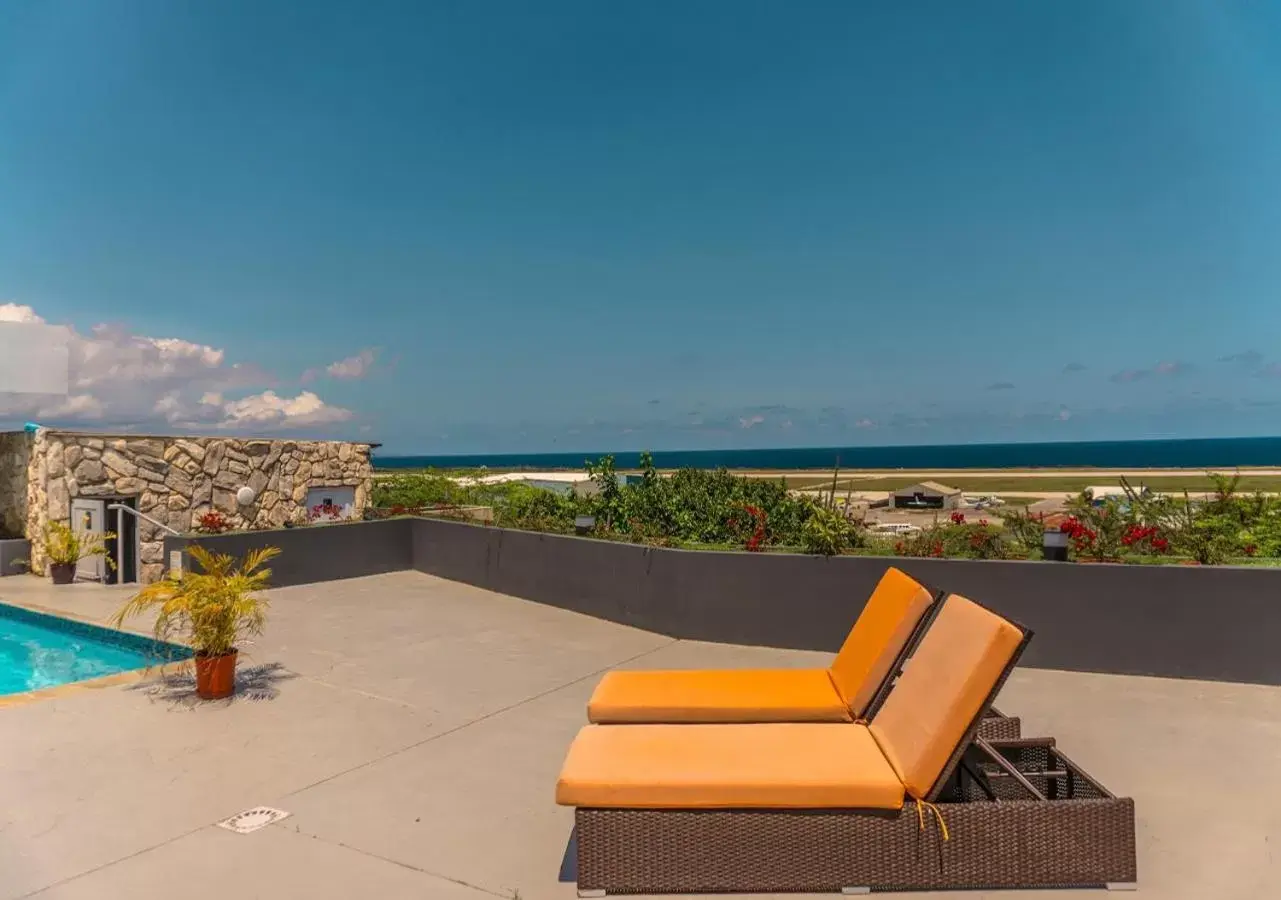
1216,623
318,552
15,556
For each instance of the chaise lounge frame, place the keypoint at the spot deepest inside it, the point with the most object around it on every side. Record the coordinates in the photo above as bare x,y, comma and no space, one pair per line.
1018,813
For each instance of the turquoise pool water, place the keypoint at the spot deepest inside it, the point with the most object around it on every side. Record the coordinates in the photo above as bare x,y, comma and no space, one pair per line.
39,651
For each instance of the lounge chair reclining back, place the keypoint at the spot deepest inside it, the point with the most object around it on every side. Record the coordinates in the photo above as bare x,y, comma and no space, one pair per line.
959,664
878,639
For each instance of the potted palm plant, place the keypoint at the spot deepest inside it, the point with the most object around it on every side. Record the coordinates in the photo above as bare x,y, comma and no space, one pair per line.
215,609
65,548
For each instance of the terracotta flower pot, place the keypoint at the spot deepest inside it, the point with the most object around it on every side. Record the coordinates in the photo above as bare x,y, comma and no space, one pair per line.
215,676
62,573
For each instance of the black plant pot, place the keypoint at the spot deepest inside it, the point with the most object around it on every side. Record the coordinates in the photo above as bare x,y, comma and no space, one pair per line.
62,573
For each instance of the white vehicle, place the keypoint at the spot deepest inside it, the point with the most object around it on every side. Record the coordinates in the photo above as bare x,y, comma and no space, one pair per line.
896,528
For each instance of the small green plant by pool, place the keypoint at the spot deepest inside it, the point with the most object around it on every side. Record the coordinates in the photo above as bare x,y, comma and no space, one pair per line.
216,607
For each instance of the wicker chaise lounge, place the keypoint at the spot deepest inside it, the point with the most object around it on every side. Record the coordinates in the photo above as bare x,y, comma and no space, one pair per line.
850,690
912,801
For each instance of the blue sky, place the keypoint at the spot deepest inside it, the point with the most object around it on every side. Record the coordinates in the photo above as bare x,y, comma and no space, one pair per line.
504,226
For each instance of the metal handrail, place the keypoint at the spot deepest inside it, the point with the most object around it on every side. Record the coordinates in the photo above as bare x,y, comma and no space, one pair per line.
144,517
121,509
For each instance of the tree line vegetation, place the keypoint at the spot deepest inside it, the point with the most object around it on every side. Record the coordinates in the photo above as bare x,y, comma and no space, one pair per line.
715,509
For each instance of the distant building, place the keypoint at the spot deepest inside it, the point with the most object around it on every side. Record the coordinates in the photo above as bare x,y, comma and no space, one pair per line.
1101,494
926,495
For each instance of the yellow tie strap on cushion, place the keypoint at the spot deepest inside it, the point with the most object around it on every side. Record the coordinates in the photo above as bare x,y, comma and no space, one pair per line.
921,806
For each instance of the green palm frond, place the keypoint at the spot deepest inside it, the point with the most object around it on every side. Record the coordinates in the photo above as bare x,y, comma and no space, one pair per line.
216,607
67,547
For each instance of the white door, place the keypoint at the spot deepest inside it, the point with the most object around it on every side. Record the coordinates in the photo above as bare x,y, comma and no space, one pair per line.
89,519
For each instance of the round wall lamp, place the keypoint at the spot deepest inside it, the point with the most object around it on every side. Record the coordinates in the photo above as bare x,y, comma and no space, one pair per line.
245,496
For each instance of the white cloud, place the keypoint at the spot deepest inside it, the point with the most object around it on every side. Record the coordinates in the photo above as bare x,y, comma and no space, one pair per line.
16,312
352,367
864,423
34,356
274,411
751,421
120,378
75,406
356,366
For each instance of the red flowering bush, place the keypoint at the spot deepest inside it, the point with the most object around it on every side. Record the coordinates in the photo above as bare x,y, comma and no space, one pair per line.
958,518
757,538
956,540
1095,529
750,532
1145,539
213,522
1084,538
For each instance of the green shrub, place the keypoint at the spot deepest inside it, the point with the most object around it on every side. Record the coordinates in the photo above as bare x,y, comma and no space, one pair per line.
827,532
534,509
1023,532
957,539
1097,531
695,506
701,508
417,491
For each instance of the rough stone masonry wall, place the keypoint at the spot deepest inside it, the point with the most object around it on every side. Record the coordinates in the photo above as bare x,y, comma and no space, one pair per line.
176,480
15,457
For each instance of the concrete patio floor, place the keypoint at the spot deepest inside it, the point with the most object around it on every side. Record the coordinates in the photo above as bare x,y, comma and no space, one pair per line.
414,727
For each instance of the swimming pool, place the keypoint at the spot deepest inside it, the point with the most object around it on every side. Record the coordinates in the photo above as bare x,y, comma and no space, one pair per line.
41,651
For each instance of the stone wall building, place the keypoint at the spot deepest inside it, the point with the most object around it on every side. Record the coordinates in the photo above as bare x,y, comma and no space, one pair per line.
73,477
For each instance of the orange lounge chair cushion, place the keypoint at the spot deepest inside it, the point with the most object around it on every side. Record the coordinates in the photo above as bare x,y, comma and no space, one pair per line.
943,688
757,766
839,694
878,637
729,695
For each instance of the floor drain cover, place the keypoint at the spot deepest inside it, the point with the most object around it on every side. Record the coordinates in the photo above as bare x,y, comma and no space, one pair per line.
253,819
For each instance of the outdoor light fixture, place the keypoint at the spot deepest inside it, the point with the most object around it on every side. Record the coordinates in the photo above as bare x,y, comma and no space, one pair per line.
245,496
1054,545
584,524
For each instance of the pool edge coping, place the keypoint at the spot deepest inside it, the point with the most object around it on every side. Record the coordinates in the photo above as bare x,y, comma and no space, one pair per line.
163,670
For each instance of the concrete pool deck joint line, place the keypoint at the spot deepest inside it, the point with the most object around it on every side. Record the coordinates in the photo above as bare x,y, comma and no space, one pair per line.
251,820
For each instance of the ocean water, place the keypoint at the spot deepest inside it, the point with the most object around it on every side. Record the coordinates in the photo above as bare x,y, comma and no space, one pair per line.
1168,454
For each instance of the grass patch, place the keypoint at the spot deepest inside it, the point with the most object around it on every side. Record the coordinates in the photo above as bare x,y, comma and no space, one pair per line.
997,484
